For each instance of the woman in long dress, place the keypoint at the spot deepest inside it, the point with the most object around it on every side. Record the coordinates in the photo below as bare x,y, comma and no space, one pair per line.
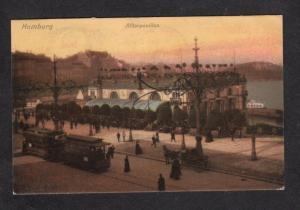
126,164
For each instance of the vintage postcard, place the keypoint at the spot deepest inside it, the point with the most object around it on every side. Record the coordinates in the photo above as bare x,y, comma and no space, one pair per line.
147,104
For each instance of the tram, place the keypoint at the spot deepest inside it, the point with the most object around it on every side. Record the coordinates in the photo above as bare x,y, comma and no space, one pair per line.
86,152
44,143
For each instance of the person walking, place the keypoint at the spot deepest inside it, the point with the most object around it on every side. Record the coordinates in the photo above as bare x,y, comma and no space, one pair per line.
138,149
153,141
175,170
124,135
157,137
118,136
75,121
71,124
110,152
161,183
126,164
173,136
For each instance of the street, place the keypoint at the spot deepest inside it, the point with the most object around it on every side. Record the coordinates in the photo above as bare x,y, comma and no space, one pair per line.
35,175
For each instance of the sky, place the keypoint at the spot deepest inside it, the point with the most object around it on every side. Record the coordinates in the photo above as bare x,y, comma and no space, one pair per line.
221,39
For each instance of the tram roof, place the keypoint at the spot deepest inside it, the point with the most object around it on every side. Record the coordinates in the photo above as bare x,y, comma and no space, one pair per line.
122,103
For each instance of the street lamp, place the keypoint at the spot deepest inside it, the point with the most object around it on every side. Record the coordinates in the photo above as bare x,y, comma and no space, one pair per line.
253,130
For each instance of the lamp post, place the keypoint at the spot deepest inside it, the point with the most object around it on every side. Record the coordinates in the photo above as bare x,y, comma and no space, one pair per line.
130,138
183,145
253,131
253,149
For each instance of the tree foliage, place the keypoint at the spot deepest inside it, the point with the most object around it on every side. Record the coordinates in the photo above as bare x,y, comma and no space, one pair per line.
105,109
215,119
150,116
164,114
116,112
179,116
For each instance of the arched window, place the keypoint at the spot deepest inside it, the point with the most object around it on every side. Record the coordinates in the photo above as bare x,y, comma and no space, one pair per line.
133,96
155,97
114,95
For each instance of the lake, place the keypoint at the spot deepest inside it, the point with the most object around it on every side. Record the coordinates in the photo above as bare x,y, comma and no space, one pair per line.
268,92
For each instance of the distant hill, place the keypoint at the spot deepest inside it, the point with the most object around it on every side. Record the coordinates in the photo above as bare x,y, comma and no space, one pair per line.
30,67
260,71
80,67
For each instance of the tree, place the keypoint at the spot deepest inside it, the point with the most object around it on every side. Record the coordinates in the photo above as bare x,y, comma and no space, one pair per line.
180,119
116,112
150,116
234,120
191,117
86,110
71,108
197,83
139,114
96,110
105,110
179,116
215,121
164,114
126,113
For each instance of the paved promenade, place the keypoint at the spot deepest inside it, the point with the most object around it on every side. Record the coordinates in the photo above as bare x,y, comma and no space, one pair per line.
224,155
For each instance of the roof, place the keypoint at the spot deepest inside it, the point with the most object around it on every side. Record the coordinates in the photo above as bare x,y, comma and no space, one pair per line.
44,131
122,103
129,84
85,139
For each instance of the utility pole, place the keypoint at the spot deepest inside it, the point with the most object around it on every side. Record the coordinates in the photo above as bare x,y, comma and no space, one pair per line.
55,93
197,95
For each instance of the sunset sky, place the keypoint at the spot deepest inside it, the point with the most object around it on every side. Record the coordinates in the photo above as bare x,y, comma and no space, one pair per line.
249,38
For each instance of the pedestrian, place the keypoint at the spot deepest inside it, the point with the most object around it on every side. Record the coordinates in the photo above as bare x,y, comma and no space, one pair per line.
62,122
71,124
161,183
175,170
97,126
173,136
43,123
124,135
126,164
75,123
118,136
138,149
110,152
153,141
157,136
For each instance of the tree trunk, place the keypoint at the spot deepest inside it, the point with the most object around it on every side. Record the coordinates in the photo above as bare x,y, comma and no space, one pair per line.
198,135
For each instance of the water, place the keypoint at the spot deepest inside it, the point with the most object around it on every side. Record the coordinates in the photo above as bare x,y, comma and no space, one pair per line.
268,92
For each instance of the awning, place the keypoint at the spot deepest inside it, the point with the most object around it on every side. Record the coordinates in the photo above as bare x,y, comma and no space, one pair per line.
122,103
